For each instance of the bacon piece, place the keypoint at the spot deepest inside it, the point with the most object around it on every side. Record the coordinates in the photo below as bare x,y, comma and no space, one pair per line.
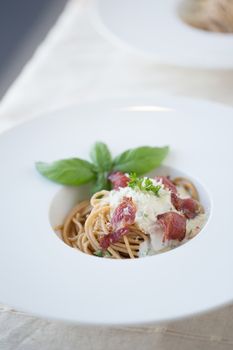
112,237
118,179
167,183
173,226
123,216
188,206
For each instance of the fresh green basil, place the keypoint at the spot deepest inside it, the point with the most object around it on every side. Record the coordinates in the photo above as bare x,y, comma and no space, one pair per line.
73,172
140,160
101,157
101,183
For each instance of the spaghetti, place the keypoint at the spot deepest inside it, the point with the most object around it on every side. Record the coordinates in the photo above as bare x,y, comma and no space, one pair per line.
86,224
89,221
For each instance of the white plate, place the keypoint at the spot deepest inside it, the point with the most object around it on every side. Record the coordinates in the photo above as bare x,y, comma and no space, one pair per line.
43,276
154,28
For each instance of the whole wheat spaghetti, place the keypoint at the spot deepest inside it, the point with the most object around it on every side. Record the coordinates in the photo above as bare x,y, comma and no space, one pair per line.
91,220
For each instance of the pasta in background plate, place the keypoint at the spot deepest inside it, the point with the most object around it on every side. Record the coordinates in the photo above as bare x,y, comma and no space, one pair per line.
211,15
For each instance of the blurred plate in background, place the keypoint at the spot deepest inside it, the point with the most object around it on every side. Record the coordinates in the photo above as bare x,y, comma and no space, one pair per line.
155,29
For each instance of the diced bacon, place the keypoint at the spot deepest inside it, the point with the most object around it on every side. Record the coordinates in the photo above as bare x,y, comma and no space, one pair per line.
173,226
112,237
188,206
167,183
118,179
124,214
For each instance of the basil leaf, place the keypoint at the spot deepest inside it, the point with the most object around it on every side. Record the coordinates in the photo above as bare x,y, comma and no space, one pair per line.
73,171
101,156
102,183
140,160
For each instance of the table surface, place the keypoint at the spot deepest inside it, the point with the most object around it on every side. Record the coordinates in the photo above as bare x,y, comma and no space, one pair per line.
75,64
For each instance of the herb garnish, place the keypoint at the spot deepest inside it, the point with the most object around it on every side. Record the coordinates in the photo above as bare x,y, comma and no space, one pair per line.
76,171
143,184
98,253
102,254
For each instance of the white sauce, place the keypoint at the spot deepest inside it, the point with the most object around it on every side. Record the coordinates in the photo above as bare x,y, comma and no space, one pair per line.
194,226
148,207
147,203
182,192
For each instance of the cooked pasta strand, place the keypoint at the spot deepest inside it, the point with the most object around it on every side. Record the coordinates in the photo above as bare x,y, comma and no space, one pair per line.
89,221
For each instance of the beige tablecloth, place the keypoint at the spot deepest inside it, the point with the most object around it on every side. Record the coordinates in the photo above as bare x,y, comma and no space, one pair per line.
75,64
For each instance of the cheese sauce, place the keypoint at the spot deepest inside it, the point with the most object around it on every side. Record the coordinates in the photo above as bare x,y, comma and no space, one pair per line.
148,207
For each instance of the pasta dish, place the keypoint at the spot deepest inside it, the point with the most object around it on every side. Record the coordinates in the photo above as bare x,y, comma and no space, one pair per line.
140,216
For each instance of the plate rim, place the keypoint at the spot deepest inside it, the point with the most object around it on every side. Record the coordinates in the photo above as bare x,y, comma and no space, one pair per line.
121,323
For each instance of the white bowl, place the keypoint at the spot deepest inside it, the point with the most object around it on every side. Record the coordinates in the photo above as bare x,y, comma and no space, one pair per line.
42,275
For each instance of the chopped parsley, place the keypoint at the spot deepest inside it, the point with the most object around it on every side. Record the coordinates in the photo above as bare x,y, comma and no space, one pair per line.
101,253
143,184
98,253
